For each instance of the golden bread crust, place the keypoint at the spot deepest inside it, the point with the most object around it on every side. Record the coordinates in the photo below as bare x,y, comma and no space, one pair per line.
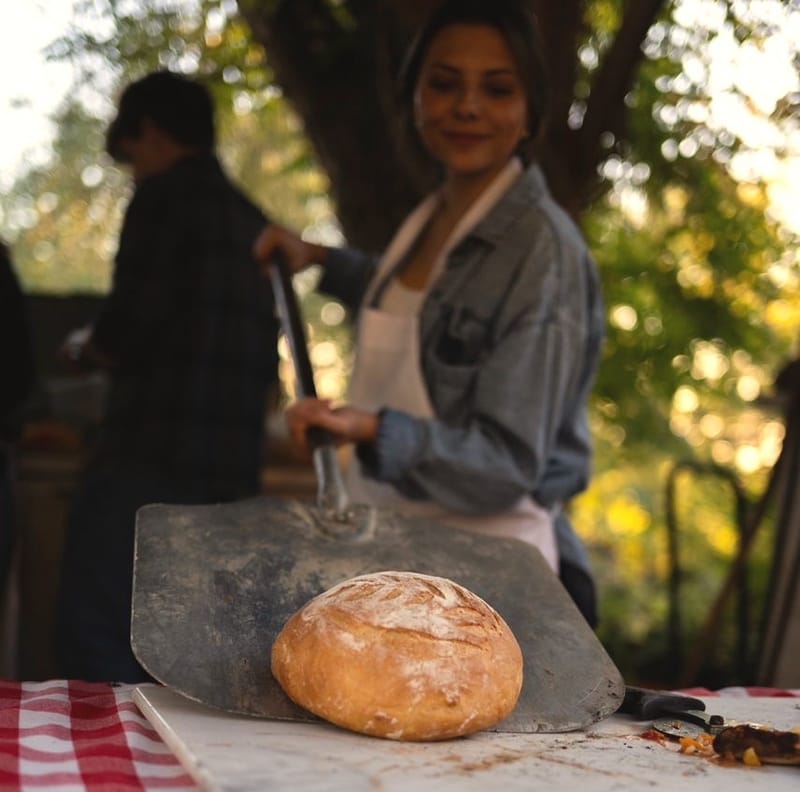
400,655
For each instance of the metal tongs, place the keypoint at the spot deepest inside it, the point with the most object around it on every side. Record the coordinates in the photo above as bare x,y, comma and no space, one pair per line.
332,497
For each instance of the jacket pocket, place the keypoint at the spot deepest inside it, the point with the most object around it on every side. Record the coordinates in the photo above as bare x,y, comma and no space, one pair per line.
464,339
452,391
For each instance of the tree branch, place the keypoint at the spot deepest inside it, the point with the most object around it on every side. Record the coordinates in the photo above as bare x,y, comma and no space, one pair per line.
605,109
335,77
560,23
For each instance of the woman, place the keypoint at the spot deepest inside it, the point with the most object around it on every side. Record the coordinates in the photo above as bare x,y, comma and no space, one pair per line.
479,328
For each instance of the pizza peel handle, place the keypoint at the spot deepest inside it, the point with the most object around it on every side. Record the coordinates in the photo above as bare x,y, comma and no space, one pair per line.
332,497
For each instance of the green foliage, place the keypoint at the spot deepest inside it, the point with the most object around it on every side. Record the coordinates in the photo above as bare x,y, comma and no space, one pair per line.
702,293
701,285
70,248
62,216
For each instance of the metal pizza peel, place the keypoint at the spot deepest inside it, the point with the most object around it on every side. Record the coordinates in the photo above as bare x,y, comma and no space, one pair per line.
213,585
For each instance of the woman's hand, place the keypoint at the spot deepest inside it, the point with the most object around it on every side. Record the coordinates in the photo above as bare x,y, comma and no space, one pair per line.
299,254
346,424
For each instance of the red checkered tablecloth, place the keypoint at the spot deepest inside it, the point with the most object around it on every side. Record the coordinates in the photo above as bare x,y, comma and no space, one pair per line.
67,736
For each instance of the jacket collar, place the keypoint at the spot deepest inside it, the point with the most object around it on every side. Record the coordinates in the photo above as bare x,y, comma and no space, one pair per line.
529,189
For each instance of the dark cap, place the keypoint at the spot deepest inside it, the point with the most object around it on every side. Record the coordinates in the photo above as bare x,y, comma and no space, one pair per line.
179,106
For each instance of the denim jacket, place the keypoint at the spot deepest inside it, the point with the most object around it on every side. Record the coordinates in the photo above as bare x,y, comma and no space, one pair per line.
511,335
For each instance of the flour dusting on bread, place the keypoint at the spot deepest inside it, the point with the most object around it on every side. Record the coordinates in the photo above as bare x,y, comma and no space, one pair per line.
400,655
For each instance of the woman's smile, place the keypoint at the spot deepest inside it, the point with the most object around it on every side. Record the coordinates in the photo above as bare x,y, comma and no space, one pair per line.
465,138
470,103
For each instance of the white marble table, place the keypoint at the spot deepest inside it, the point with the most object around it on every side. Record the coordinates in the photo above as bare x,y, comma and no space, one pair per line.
228,752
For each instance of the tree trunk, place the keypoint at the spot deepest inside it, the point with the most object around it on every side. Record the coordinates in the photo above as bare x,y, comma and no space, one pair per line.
336,64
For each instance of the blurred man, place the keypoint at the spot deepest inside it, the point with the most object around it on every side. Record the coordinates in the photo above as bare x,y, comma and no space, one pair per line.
189,339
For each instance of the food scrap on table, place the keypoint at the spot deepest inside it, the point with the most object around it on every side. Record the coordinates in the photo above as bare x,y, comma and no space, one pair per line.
752,746
702,744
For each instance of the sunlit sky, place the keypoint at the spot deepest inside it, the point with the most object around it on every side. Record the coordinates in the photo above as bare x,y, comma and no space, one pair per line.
32,88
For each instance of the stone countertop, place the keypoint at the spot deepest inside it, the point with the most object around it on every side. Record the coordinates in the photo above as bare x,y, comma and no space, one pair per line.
227,752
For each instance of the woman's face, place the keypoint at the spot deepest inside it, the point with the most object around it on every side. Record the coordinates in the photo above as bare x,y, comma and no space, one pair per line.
470,105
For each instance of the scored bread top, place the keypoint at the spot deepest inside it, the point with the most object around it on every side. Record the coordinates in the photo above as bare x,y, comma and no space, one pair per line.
400,655
408,601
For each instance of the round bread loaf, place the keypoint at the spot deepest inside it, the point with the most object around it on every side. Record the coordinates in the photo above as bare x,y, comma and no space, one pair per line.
400,655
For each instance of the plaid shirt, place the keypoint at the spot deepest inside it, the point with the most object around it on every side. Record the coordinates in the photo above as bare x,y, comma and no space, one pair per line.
191,330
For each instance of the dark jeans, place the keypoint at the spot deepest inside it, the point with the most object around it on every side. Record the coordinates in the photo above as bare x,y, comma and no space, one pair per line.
582,590
94,610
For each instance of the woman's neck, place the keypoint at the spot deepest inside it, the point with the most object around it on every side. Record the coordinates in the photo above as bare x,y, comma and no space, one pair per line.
459,193
456,197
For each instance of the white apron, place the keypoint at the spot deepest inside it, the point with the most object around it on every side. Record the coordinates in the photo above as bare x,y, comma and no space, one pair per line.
388,373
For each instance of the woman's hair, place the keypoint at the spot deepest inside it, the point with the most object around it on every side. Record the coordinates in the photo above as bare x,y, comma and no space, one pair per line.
516,22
